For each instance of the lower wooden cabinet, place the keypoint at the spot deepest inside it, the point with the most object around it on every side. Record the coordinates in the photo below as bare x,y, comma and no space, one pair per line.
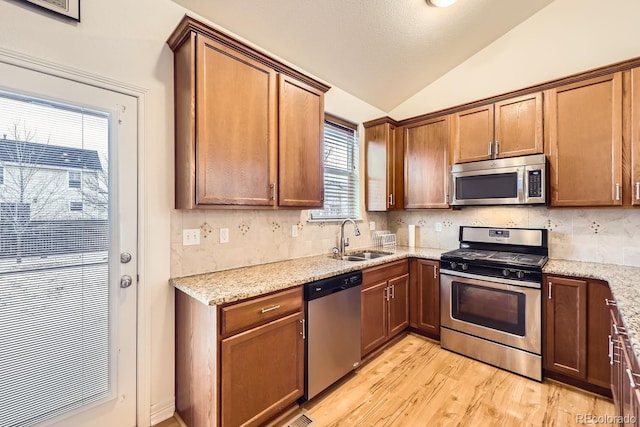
575,336
625,372
239,364
385,303
424,296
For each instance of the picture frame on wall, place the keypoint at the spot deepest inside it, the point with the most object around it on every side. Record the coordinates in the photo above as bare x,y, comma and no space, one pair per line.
66,8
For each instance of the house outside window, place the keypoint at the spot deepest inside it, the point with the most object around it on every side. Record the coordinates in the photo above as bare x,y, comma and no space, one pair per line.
1,175
15,212
341,171
76,206
75,179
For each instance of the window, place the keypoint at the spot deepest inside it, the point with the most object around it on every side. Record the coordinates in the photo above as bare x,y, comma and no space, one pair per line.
75,206
75,178
1,175
341,177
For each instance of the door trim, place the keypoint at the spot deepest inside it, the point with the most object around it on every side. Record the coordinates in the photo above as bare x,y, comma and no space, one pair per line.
143,333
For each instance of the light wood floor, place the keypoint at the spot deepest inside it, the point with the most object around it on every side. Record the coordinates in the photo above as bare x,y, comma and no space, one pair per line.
415,383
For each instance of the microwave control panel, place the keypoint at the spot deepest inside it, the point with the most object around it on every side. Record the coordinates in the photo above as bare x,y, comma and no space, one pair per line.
535,183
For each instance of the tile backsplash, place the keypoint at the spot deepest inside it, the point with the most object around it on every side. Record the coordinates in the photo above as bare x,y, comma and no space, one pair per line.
594,235
256,237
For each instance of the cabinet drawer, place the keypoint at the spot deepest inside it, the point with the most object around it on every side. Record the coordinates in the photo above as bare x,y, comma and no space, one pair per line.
246,314
384,272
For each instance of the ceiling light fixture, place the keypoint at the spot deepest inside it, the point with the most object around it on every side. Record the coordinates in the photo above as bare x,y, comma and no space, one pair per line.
440,3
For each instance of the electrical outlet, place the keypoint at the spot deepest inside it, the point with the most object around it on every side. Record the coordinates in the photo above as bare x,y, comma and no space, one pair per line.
438,226
294,230
372,225
224,235
191,237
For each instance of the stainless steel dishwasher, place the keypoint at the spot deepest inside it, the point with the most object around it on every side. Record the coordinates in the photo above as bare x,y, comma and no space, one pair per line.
332,329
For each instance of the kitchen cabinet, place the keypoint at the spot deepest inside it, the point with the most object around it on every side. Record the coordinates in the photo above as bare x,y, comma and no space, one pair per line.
625,372
249,130
384,303
426,164
424,296
260,346
635,136
574,334
508,128
384,161
584,127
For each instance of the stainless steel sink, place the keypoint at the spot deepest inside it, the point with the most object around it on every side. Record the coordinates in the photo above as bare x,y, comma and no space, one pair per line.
364,255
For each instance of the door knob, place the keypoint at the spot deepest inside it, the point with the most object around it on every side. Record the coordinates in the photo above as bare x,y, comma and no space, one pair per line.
125,257
125,281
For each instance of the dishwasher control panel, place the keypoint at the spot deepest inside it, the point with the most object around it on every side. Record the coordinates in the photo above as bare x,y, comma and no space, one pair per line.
332,285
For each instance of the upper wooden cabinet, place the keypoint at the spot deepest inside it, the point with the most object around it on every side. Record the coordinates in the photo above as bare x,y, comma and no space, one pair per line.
384,160
583,125
249,130
512,127
426,164
635,136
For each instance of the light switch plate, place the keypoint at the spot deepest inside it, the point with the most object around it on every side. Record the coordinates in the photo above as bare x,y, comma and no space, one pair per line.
224,235
438,226
294,230
372,225
191,237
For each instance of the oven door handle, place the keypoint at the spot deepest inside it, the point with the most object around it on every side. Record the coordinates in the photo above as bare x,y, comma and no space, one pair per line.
519,283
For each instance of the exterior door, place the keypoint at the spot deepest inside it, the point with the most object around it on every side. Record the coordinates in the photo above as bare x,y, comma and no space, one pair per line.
68,258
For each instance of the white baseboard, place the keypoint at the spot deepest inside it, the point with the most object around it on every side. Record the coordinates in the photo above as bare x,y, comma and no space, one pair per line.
162,411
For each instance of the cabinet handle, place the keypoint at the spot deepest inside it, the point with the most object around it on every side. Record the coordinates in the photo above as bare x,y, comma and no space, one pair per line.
266,310
322,194
550,290
617,191
610,302
304,335
497,148
393,291
490,148
610,351
620,330
435,272
632,383
385,294
273,191
637,190
391,199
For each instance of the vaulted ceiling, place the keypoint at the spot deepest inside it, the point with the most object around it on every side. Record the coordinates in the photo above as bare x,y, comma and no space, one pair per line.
381,51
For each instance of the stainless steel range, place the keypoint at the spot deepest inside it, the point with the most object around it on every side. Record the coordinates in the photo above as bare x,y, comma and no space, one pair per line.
491,297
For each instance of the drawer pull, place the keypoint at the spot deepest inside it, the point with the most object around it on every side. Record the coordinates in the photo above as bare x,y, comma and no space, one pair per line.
632,382
266,310
610,302
619,330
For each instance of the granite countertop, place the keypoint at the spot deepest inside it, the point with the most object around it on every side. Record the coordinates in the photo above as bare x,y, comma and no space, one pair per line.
232,285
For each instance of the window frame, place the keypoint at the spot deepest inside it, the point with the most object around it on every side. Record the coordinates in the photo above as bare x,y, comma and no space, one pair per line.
352,175
1,174
71,206
79,180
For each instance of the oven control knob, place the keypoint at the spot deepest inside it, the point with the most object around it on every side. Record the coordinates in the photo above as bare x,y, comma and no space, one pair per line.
506,273
453,265
464,266
520,274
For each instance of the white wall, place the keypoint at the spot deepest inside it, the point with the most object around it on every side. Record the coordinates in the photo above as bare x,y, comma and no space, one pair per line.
566,37
126,41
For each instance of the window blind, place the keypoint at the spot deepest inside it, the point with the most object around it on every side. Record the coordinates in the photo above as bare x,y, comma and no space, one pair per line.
341,174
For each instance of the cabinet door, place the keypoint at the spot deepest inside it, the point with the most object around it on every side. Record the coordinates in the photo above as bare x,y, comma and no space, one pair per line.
398,289
262,371
518,126
616,359
300,152
236,127
426,167
473,134
565,351
425,296
583,122
395,168
374,317
635,136
598,367
384,165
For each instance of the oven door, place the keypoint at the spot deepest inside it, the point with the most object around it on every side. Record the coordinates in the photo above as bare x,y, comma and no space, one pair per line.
500,310
499,186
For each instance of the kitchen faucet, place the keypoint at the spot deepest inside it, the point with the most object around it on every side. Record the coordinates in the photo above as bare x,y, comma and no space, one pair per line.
344,243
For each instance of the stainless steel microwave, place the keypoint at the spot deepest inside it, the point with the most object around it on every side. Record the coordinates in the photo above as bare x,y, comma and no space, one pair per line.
511,181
